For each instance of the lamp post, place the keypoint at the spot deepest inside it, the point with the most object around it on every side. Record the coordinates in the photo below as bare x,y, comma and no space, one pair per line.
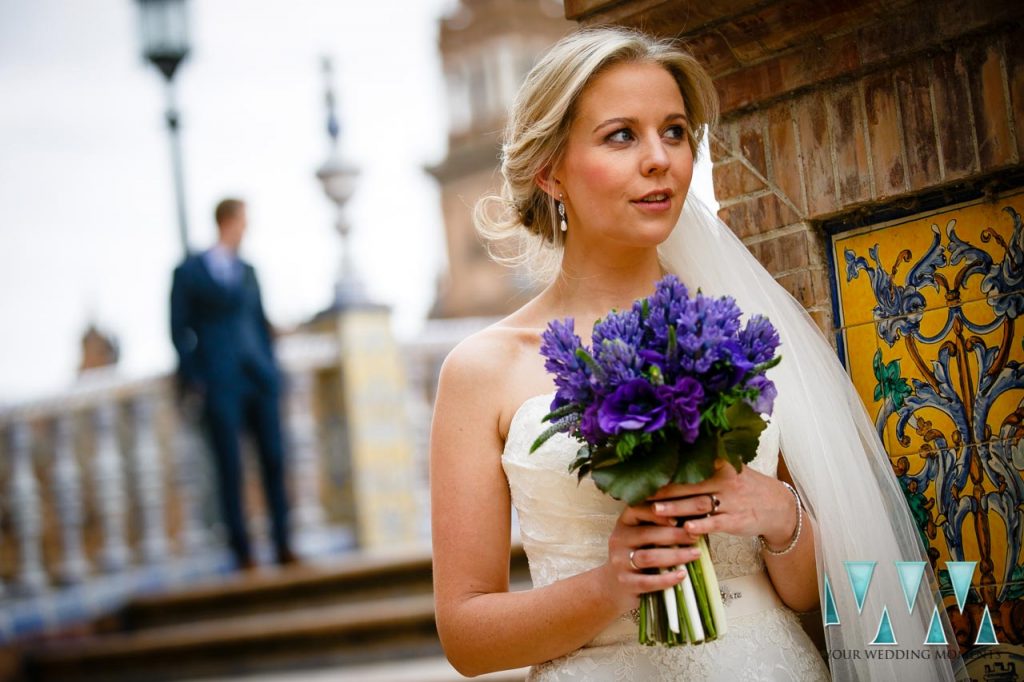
164,30
339,180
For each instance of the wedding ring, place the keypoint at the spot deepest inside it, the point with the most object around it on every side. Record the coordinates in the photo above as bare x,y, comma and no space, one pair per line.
631,563
715,502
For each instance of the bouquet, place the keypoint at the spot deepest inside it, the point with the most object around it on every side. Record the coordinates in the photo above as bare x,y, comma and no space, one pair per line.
666,388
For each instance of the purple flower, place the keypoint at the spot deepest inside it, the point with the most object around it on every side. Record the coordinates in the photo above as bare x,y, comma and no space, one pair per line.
759,339
669,301
619,361
765,401
632,406
559,344
623,325
589,426
683,400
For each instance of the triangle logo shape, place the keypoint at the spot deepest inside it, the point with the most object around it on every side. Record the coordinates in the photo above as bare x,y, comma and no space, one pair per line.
884,635
860,574
936,635
910,573
986,632
960,574
831,613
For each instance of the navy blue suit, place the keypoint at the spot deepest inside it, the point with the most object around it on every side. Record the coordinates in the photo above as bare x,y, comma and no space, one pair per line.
225,350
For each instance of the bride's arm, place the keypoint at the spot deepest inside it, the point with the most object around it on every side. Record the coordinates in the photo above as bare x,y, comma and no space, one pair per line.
794,574
483,627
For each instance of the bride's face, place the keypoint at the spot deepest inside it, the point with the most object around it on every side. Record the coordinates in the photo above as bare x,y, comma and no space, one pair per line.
627,141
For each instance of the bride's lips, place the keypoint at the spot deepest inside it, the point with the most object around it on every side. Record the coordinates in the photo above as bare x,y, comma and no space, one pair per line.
654,206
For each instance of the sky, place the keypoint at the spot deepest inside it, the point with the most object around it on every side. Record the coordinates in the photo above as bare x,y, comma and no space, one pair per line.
88,228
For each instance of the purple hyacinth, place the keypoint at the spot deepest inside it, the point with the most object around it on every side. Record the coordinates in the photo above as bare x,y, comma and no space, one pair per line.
759,339
559,344
767,393
624,325
619,360
633,406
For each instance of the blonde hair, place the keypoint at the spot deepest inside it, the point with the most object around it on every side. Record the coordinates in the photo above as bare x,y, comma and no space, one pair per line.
522,215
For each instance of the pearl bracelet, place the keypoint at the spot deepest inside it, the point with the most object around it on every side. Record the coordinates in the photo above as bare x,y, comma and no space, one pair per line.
796,533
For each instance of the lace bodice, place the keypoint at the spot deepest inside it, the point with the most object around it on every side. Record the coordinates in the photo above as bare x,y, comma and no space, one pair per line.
565,526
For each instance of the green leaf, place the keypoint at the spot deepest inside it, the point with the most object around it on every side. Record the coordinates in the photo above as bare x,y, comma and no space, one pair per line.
589,360
740,442
547,433
582,457
604,456
562,411
697,461
639,477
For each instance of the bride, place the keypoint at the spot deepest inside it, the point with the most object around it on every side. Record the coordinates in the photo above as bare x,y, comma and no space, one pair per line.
597,161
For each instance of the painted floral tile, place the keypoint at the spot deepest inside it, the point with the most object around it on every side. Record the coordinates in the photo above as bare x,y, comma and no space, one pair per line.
958,254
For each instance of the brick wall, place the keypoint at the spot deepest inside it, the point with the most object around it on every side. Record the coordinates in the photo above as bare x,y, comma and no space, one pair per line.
833,110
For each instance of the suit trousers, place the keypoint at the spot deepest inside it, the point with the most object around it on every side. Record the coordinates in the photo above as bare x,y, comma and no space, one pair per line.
228,411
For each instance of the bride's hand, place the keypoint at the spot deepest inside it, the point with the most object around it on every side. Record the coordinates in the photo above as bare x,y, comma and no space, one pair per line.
643,540
749,504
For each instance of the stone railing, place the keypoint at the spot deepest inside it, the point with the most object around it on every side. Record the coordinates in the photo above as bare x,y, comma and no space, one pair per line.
107,489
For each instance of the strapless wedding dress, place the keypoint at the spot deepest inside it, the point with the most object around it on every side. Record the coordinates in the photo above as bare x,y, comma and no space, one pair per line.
565,529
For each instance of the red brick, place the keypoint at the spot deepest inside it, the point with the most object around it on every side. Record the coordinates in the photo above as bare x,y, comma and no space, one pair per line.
737,217
956,138
816,154
793,251
767,252
988,101
886,152
722,141
810,286
914,93
713,52
1015,73
750,85
852,168
800,286
757,215
750,141
719,152
819,61
733,179
785,155
898,34
823,318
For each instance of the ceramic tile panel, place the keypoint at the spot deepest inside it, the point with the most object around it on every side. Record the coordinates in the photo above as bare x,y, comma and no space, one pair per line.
943,290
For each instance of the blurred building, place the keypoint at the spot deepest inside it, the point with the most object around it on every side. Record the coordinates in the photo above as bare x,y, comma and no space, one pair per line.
487,48
98,349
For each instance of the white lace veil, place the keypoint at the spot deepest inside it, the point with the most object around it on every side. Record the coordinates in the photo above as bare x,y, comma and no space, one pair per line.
837,462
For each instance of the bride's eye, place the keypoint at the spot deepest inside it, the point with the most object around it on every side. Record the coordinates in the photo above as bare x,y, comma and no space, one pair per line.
620,135
677,132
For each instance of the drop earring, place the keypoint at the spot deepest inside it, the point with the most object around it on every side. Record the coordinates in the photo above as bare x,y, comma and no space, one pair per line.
561,214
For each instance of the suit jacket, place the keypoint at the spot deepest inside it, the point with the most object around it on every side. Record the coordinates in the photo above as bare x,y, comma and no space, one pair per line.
220,332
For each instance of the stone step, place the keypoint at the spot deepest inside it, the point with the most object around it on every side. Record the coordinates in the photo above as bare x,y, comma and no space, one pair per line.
435,669
361,610
347,634
348,580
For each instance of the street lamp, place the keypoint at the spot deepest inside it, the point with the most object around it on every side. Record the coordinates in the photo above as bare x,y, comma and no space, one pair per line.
164,29
338,177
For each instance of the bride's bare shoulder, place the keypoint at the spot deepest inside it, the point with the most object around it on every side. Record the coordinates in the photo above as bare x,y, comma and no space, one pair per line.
490,371
491,353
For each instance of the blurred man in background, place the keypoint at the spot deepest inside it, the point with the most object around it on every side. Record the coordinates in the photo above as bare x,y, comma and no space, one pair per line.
226,363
